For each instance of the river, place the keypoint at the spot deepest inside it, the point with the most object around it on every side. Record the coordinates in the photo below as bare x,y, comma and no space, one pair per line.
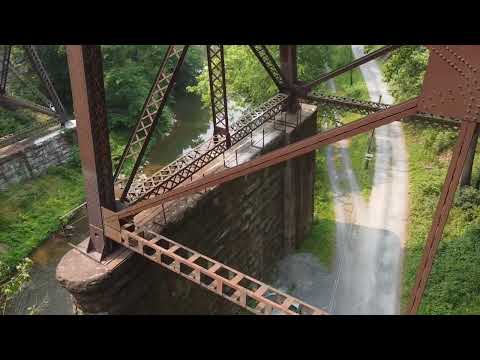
192,126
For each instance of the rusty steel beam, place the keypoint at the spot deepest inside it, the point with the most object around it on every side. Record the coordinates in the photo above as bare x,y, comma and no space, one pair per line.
28,85
39,68
241,289
270,66
86,75
150,114
183,168
288,66
4,70
367,107
394,113
10,101
218,91
356,63
454,93
445,202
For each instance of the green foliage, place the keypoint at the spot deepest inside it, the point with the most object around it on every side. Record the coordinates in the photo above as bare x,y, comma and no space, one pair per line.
11,285
11,121
404,71
129,74
370,48
468,199
129,71
247,81
31,210
439,140
321,240
453,284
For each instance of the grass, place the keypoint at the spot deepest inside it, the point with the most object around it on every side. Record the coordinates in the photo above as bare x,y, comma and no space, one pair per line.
321,240
453,287
31,210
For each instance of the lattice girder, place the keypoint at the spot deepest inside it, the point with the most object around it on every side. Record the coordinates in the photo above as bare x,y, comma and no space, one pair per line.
268,62
218,91
241,289
150,114
187,165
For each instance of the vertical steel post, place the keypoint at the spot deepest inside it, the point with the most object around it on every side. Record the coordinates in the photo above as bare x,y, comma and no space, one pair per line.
218,91
86,76
288,66
4,68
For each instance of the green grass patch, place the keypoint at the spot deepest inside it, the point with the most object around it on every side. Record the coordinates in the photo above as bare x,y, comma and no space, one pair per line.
31,210
321,240
453,286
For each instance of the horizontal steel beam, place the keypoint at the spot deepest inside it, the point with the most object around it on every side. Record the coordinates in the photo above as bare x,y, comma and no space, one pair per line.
367,107
356,63
241,289
9,101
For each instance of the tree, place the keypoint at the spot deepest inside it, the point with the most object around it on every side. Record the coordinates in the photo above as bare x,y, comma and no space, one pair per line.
248,83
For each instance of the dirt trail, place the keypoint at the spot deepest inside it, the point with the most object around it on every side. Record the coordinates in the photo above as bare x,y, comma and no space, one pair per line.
376,243
369,237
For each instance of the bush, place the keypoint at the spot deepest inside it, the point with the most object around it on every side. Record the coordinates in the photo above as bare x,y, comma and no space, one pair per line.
12,285
467,198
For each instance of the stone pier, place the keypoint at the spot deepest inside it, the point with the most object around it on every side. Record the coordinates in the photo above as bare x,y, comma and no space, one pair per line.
249,224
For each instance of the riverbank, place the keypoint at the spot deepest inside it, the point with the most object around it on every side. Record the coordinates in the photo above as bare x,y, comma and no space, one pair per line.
30,222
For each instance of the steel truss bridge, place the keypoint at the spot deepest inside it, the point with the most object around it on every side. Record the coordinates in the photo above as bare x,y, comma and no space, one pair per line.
51,104
450,98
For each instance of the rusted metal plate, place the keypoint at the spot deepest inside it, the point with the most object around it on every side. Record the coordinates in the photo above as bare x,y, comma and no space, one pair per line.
451,85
